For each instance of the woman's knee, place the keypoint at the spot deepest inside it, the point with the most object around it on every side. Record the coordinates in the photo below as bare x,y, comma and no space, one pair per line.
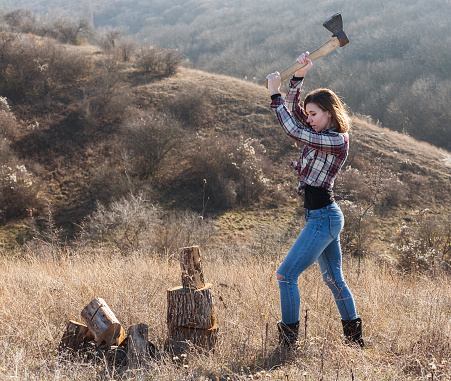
286,279
334,284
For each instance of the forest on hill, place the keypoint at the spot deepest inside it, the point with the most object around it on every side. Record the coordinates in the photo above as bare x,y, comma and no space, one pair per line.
396,68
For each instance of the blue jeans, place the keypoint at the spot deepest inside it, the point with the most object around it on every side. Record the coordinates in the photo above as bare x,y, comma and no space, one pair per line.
319,240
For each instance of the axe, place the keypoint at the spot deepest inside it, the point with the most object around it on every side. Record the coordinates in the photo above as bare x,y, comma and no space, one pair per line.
339,38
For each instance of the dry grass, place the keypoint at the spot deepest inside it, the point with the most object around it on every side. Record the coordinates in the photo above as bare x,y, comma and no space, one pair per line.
406,318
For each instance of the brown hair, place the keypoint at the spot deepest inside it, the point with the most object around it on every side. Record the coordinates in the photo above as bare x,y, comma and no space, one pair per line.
327,100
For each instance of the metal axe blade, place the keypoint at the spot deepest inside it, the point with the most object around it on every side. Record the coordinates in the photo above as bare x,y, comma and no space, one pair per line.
335,25
339,38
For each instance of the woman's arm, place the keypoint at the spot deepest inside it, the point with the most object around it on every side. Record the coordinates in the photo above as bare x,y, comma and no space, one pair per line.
332,142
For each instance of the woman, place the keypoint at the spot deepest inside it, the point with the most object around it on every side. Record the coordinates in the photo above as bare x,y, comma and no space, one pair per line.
321,125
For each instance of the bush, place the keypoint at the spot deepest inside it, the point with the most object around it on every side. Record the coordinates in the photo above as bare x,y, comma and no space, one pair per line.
33,67
109,38
18,191
151,60
133,222
150,139
425,244
5,151
8,122
233,170
108,184
128,223
21,20
67,30
106,97
189,106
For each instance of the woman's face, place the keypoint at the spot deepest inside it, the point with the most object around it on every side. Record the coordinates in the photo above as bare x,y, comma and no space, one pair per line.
318,119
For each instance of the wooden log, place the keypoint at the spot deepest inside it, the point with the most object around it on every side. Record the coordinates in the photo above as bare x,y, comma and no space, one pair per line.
74,337
102,322
190,261
180,338
190,308
137,345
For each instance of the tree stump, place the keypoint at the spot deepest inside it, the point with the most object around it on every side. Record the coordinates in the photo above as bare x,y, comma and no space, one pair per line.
190,308
74,337
137,345
103,324
190,315
181,337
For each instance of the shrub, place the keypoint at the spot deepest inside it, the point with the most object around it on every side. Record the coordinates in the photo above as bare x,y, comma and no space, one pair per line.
32,67
233,170
189,106
8,122
178,229
5,151
425,244
18,191
133,222
152,60
108,184
108,38
21,20
128,223
68,30
150,139
361,192
106,97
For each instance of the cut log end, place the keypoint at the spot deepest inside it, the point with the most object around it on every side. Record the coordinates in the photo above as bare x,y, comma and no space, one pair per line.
103,324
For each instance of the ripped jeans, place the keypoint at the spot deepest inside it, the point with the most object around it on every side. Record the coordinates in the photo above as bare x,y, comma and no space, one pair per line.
319,240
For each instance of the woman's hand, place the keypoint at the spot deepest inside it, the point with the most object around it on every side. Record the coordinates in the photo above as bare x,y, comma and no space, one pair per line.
274,81
303,60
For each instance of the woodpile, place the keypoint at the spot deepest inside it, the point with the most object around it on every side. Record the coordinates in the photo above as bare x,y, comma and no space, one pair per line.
190,318
103,335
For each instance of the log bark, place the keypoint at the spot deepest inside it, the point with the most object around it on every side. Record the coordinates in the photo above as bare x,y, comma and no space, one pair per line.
74,337
191,264
137,345
102,322
180,338
190,308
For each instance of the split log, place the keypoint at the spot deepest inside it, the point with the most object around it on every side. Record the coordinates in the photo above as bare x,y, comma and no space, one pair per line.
190,308
102,322
137,345
190,261
74,337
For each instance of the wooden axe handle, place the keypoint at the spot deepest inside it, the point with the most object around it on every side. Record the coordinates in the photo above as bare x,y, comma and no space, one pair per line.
322,51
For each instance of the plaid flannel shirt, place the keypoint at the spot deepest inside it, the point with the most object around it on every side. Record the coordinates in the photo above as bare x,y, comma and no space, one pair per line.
324,152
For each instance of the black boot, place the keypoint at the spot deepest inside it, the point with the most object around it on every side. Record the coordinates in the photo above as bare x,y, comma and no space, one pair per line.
288,334
352,330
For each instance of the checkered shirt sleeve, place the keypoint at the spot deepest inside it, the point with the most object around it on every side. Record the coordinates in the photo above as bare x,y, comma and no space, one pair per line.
324,152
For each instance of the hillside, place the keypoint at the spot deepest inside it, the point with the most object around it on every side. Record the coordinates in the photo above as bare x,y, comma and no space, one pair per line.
80,163
383,72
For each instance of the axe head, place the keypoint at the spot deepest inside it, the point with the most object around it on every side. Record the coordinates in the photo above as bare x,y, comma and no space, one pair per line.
335,25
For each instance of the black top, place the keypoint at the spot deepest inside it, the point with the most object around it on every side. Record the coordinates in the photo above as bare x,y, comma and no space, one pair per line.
317,198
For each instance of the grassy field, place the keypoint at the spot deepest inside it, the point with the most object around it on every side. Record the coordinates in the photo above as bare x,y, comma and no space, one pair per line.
406,317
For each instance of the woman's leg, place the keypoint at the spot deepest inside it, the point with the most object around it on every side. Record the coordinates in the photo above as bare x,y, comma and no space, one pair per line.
330,263
312,241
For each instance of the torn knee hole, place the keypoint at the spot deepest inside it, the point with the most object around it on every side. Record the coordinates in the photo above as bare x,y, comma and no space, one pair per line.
279,277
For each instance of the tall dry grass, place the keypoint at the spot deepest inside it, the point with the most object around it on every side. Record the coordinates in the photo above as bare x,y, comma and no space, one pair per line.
406,317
